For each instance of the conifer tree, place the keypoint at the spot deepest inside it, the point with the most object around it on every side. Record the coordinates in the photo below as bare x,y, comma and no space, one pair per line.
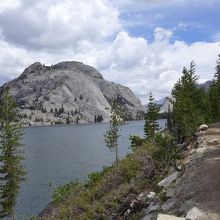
189,110
169,119
117,120
11,169
151,126
214,94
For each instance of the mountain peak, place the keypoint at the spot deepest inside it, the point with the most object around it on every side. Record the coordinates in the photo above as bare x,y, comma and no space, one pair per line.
68,91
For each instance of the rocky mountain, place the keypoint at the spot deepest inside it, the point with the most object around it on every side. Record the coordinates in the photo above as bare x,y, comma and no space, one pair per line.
167,104
159,102
68,92
206,85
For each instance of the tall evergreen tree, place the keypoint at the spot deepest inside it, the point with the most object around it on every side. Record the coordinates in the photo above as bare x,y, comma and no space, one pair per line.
189,107
11,169
214,94
169,119
151,117
116,121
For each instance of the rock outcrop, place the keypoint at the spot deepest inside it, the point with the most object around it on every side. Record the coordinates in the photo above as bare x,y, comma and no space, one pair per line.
167,104
68,92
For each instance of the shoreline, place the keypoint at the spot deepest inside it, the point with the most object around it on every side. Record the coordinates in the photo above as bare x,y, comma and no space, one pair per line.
71,124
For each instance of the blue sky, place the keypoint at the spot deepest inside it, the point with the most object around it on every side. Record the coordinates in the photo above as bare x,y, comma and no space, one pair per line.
142,44
190,22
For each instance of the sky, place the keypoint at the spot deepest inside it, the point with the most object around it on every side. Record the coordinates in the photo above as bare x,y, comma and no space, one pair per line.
142,44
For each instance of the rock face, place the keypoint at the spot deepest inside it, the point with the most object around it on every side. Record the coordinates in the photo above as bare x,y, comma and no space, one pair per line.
206,85
68,92
169,217
167,104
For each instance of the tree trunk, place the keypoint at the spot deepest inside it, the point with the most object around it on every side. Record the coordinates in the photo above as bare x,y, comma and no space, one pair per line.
116,154
13,216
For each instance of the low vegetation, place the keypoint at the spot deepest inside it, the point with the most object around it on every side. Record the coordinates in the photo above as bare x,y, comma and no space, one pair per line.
109,192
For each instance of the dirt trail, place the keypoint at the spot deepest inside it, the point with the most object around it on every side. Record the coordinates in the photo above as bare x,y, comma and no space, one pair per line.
199,186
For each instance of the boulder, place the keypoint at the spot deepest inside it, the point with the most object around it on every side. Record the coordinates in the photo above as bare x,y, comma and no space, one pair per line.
168,180
194,214
169,217
142,195
167,206
151,195
203,127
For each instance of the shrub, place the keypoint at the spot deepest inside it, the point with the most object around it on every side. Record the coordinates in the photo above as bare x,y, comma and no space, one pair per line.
129,168
165,150
61,192
97,176
136,141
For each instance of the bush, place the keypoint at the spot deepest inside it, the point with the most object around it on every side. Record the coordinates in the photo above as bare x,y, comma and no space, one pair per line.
61,192
97,176
165,150
129,168
136,141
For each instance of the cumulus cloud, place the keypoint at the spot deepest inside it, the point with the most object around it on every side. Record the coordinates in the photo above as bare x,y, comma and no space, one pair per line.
9,5
56,24
154,66
93,32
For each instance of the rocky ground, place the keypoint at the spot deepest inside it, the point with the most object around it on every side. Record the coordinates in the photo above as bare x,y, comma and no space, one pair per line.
194,192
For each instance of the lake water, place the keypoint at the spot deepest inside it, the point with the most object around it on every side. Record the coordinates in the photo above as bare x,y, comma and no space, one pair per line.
59,154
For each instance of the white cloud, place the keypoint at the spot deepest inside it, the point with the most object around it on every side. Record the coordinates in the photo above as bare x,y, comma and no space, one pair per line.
67,23
91,32
155,66
161,34
9,4
131,61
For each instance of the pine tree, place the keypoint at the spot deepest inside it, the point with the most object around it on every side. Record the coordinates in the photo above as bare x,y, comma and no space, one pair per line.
117,120
151,126
169,119
214,94
189,108
11,170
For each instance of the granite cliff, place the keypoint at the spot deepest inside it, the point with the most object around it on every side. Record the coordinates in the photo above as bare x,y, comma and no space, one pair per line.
68,92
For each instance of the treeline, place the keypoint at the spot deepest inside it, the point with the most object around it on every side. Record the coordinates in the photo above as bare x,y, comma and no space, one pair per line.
192,105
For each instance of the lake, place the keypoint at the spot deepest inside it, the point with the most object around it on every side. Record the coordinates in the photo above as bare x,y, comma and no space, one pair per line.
59,154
